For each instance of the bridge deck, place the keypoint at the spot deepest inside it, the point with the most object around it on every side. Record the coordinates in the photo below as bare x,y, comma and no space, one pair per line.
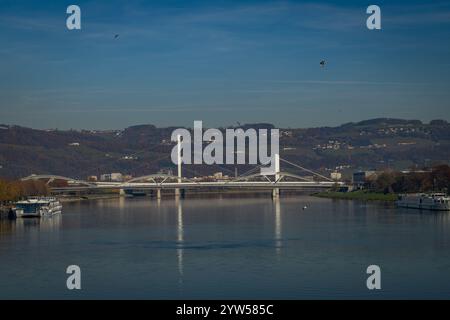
196,185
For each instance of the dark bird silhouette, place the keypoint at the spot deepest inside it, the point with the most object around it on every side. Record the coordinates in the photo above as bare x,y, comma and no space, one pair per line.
322,63
116,36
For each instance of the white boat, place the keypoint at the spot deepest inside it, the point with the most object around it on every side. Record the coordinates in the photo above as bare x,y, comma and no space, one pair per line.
37,207
432,201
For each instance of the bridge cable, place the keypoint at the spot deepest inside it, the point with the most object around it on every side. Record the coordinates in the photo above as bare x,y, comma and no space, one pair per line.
307,170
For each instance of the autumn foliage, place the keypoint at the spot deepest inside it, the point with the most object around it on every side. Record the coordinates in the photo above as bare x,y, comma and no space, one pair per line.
15,190
438,179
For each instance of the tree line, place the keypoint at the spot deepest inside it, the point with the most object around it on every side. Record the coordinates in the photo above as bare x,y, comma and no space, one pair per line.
436,179
13,190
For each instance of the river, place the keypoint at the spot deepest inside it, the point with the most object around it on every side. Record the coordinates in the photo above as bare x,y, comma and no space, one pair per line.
227,247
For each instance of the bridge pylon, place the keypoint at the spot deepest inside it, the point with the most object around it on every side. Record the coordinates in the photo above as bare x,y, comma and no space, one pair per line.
276,191
177,191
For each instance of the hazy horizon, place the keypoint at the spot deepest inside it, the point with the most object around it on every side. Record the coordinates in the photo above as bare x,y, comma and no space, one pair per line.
205,125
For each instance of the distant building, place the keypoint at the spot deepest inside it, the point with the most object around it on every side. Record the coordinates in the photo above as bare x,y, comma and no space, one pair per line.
92,178
115,177
336,176
218,175
166,142
360,178
127,177
74,144
129,158
415,171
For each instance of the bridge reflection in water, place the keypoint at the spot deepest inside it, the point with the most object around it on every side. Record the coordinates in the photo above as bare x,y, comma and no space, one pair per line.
277,210
180,240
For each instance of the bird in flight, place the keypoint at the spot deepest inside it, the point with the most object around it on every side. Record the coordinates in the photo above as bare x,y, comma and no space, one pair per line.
322,63
116,36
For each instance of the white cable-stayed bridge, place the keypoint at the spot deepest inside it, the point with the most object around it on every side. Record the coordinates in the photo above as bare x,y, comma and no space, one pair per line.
275,181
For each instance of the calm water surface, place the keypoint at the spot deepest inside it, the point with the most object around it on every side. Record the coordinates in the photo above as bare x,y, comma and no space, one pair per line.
227,248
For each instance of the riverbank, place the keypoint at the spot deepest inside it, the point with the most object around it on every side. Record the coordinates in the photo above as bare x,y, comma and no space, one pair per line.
66,199
358,195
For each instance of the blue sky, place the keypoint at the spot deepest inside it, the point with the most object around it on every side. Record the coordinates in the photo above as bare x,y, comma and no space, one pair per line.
221,62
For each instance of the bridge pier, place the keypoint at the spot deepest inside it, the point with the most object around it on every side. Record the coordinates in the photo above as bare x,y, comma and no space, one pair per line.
122,192
158,194
275,193
180,193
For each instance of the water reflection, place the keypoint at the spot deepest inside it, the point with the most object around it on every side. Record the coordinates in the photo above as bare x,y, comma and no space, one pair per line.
6,226
244,248
43,224
180,239
122,204
277,225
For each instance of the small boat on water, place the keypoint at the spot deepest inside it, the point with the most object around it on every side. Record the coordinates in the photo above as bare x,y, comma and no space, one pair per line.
37,207
432,201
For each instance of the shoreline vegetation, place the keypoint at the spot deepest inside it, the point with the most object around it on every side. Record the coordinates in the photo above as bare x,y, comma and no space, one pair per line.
388,184
362,195
14,190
